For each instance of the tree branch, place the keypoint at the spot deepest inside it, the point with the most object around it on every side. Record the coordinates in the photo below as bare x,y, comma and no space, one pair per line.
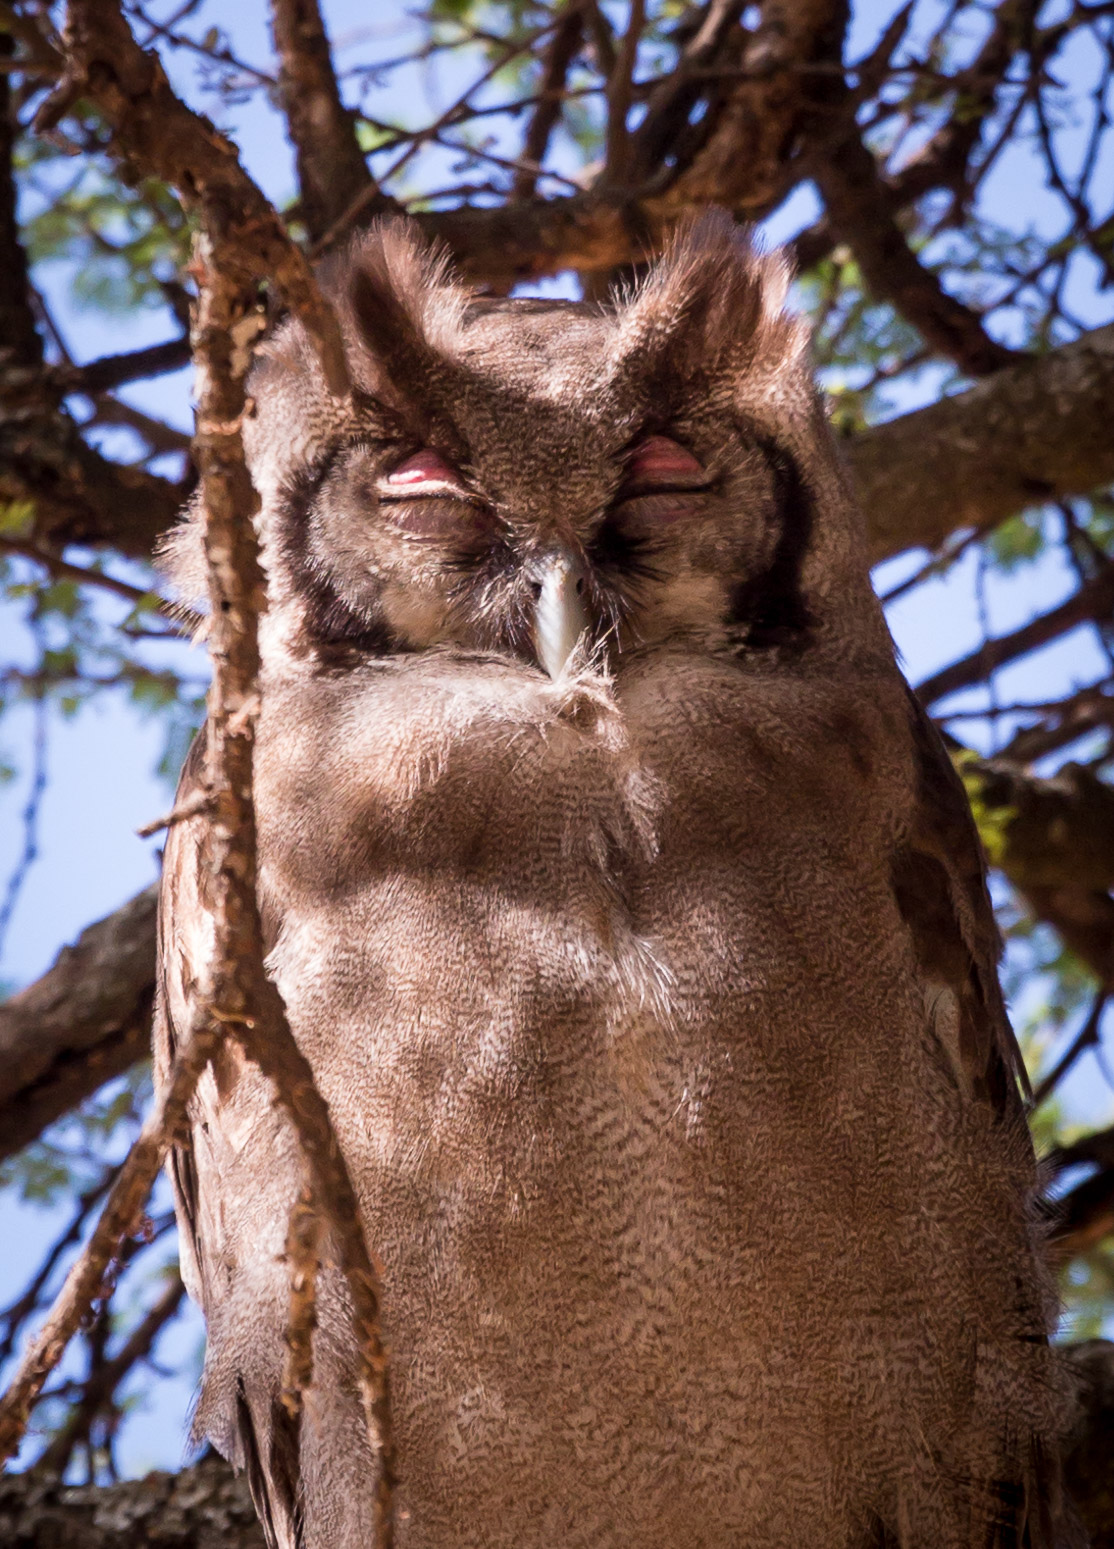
1054,840
200,1508
332,172
111,371
71,492
115,370
83,1285
860,208
1092,603
158,135
19,339
1035,431
619,98
97,1393
791,62
556,61
1088,1037
85,1021
62,568
237,995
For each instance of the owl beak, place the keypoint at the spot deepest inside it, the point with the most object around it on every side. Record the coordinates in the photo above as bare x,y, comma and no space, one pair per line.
560,617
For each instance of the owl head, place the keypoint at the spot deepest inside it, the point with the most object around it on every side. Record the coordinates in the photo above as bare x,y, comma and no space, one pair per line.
548,479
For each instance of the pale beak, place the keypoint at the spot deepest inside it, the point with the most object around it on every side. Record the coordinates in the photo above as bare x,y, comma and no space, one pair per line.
560,617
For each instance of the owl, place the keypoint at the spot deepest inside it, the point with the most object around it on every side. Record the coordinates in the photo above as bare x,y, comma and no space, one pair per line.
631,916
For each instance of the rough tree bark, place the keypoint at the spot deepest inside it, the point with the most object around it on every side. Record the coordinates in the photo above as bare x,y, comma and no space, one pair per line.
86,1020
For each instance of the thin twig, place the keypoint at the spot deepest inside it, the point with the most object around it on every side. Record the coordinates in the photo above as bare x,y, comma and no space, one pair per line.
61,569
15,1315
1087,1036
37,790
194,807
98,1392
420,137
126,1198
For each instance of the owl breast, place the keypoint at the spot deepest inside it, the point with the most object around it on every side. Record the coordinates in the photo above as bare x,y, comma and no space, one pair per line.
567,961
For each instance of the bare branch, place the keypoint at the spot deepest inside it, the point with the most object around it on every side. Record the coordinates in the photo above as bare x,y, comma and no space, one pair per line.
62,569
791,60
97,1393
332,172
1086,1038
666,129
84,1022
1092,602
303,1255
27,1303
1084,1216
111,371
557,58
125,1200
19,339
457,110
237,994
603,38
617,155
156,132
1062,723
1053,838
159,436
1036,431
70,490
860,208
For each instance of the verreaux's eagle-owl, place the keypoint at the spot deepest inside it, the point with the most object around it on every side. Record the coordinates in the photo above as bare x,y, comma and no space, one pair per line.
632,919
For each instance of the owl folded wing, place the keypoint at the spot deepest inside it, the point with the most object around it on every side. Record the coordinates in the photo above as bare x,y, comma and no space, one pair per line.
940,880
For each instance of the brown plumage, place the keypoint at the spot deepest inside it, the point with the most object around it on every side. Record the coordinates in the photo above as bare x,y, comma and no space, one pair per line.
632,918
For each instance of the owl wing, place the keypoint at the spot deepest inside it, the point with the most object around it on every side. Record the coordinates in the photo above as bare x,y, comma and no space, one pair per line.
231,1120
940,880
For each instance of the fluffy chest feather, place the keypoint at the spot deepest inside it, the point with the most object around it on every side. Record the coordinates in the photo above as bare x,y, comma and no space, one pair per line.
497,897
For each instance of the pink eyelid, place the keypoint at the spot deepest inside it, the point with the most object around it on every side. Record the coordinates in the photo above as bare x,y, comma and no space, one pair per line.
659,459
425,467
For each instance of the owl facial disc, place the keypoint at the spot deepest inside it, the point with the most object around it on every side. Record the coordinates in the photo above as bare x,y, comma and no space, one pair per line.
560,617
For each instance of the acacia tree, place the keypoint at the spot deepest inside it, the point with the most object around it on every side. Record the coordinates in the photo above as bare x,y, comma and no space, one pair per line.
963,341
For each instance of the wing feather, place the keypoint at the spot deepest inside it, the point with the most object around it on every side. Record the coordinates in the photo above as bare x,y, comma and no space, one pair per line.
231,1118
940,879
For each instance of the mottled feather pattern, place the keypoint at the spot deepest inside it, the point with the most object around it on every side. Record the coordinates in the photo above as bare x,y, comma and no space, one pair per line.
655,1001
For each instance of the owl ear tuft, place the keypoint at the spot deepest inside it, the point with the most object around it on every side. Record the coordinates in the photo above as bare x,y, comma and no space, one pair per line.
406,304
713,300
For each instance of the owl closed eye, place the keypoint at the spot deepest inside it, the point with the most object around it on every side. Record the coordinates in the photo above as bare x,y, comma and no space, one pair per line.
524,477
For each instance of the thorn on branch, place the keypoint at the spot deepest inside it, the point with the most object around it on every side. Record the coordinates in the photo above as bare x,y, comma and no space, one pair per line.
196,806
